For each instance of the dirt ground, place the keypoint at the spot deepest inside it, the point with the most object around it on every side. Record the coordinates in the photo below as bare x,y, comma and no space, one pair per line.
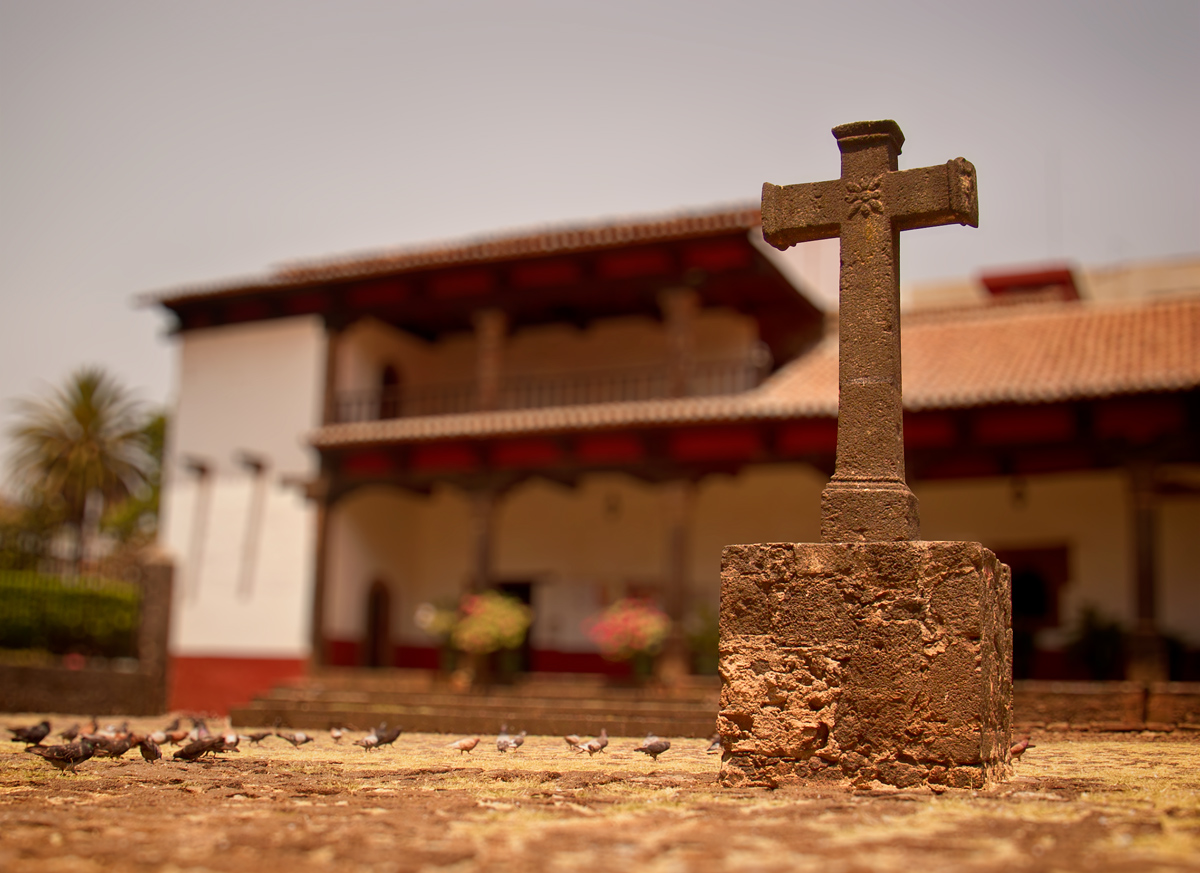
1078,801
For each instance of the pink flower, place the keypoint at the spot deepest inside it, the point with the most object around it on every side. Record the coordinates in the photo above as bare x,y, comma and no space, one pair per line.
628,627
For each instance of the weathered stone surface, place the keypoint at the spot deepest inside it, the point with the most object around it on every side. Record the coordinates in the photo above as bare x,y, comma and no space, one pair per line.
871,656
865,661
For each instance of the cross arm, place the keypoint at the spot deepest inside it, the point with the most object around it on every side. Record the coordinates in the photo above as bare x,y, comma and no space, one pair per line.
932,196
801,213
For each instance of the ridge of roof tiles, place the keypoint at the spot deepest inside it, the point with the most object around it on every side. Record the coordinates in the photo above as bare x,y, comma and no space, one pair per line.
537,241
546,240
1038,353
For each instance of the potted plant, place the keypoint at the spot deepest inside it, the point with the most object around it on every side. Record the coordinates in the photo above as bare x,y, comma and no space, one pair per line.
490,622
632,629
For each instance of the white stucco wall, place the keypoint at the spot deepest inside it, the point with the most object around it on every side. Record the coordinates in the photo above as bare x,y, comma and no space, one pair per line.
581,547
246,388
372,535
1084,512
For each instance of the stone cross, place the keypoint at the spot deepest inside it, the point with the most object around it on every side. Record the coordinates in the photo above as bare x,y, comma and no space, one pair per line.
868,498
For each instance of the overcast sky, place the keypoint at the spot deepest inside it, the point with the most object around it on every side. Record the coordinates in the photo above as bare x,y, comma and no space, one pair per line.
148,145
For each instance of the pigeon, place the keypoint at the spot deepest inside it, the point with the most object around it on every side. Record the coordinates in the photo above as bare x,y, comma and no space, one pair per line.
592,746
714,744
505,742
31,736
110,747
336,734
198,748
653,746
175,736
71,733
574,742
465,744
1018,749
299,738
384,737
66,757
595,745
150,750
259,736
369,742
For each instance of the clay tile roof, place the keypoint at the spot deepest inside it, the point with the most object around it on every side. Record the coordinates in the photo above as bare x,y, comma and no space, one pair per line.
1053,352
1039,353
485,249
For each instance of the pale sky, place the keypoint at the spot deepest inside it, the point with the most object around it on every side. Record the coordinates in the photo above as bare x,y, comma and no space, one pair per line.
148,145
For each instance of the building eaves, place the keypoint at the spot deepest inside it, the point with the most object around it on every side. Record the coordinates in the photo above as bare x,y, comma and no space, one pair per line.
538,242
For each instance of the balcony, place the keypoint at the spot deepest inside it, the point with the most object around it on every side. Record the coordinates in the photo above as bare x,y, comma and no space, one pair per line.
531,390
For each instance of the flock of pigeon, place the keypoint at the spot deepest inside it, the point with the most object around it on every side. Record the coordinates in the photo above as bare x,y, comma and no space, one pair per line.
195,742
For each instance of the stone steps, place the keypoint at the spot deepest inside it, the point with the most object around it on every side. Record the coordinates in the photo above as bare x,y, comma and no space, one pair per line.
540,704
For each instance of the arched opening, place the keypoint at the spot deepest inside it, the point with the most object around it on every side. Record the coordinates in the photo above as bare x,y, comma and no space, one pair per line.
377,647
390,392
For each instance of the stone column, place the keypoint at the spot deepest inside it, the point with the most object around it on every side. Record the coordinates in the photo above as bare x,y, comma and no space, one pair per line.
319,492
1147,656
483,517
679,307
333,337
490,328
154,630
680,499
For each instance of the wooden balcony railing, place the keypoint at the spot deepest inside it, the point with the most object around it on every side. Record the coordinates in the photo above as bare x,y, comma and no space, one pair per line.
532,390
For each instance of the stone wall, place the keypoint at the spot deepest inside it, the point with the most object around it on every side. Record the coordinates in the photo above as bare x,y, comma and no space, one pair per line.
865,661
1106,705
104,691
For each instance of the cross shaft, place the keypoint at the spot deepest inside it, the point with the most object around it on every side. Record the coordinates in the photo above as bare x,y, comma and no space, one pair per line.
868,498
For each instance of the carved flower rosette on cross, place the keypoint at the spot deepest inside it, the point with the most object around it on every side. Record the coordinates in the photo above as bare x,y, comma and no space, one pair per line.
865,197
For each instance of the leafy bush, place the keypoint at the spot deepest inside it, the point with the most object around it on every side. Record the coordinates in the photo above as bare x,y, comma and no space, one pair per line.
89,615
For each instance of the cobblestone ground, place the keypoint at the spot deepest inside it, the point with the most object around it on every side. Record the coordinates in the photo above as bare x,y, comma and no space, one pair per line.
1078,801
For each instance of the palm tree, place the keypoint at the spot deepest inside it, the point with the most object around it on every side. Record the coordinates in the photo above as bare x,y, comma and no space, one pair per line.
87,439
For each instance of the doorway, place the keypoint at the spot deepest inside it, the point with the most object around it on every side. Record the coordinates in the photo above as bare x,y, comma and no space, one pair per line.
377,647
522,591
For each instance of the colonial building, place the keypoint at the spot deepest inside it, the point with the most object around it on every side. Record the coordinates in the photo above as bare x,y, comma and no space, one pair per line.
583,413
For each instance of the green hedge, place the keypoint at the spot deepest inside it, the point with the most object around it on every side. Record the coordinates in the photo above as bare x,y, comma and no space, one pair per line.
89,615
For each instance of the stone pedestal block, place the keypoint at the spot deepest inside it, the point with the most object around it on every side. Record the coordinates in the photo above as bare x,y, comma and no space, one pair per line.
865,661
